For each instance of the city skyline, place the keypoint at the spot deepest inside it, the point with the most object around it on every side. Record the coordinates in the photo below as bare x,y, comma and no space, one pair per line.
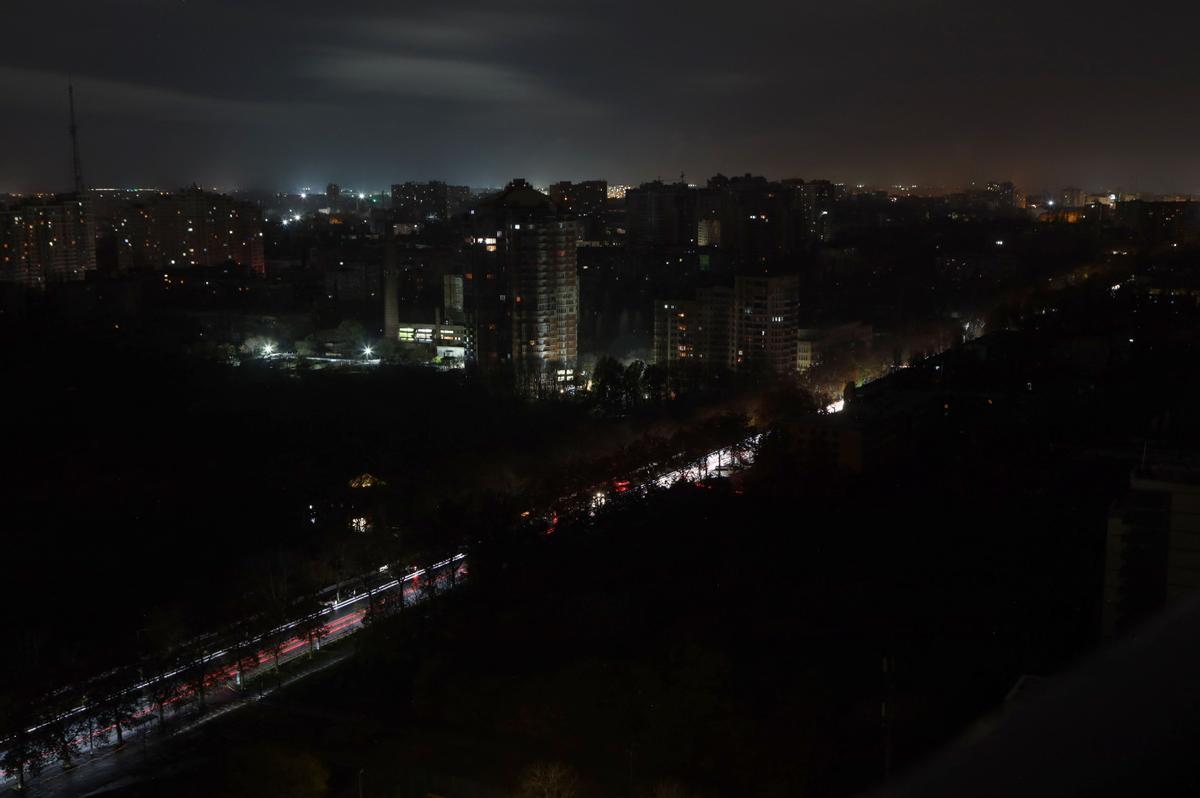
552,399
263,95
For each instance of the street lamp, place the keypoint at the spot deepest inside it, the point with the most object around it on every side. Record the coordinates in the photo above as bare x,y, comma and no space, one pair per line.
268,350
368,351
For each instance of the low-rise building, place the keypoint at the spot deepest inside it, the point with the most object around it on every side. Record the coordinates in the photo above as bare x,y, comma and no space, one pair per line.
444,345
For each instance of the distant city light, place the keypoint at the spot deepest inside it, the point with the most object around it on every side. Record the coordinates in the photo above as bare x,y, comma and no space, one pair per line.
268,350
361,195
368,351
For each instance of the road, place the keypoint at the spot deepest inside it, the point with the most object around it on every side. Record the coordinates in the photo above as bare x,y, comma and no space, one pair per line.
100,762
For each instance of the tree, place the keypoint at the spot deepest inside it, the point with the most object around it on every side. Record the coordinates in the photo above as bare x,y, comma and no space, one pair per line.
275,643
23,686
162,689
60,738
349,332
227,354
452,571
255,345
21,756
116,711
548,780
163,634
654,379
608,382
388,351
633,383
279,598
429,587
305,347
198,678
372,603
312,626
90,714
244,654
548,383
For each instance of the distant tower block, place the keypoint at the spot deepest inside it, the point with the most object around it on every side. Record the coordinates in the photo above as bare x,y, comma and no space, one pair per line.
391,303
452,298
391,288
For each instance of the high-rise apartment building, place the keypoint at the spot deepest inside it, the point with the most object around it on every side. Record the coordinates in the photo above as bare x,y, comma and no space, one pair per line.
693,338
186,228
661,216
453,298
433,201
766,322
752,327
587,201
526,285
46,240
817,200
1072,197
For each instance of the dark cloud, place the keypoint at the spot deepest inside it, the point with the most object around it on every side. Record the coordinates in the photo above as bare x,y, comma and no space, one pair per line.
282,93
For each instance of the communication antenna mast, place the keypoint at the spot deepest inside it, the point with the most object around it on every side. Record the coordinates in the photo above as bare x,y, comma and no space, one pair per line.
75,141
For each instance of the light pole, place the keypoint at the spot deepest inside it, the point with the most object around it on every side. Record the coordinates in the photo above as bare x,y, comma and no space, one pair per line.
360,775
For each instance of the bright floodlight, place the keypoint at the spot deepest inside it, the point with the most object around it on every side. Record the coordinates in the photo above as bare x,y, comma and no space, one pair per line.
362,195
368,351
268,349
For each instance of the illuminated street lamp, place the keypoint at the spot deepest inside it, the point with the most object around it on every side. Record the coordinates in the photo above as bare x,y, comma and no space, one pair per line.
368,351
268,350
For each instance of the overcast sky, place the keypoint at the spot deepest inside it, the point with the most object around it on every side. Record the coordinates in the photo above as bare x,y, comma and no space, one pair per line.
273,94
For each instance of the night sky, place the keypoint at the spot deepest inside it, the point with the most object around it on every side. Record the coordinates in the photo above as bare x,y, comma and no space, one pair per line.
259,93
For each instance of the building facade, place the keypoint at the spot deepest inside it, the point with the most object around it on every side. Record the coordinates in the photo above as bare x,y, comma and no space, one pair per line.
187,228
444,345
1152,552
526,285
661,216
587,201
766,322
45,240
693,338
432,201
